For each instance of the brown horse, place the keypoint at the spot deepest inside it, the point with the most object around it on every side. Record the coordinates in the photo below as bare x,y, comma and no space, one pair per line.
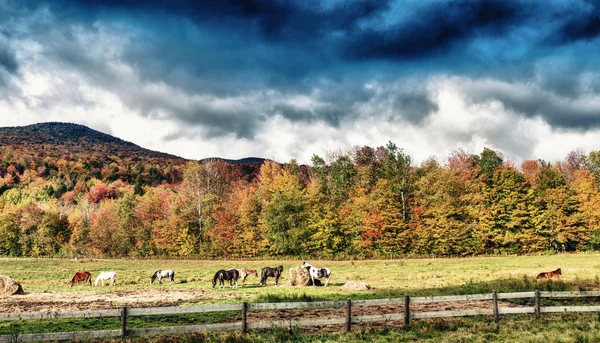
86,277
549,275
244,274
270,272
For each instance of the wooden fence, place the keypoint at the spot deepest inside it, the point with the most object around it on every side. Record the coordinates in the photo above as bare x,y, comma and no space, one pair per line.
404,315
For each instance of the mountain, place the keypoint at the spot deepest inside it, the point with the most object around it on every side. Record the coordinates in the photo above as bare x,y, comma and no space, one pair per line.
60,138
247,160
70,153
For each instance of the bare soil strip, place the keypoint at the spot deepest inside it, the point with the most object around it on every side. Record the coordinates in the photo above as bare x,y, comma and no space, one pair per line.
87,300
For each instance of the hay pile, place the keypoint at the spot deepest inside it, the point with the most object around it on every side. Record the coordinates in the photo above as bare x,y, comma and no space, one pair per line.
9,287
356,286
299,277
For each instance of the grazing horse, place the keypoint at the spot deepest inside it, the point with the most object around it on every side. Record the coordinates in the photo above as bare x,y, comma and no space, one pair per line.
223,275
549,275
272,272
106,276
244,274
159,274
86,277
317,273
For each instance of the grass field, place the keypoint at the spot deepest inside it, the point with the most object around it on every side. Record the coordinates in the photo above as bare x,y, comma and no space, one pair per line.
49,277
393,277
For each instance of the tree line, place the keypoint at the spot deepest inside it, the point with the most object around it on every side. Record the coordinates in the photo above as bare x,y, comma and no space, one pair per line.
364,203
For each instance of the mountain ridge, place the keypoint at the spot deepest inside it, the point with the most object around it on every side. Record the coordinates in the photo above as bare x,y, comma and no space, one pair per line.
77,138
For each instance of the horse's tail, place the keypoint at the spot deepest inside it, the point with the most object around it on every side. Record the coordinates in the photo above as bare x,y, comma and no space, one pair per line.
173,276
263,275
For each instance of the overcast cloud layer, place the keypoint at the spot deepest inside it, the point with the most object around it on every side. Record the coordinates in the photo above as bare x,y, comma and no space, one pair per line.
285,80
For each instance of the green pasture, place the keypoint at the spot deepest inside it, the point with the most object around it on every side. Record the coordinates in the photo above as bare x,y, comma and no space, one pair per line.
389,278
440,276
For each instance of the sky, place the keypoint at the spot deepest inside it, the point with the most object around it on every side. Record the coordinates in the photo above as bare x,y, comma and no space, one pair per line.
288,79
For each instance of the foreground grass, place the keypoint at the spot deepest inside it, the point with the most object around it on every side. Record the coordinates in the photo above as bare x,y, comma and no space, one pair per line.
519,329
113,323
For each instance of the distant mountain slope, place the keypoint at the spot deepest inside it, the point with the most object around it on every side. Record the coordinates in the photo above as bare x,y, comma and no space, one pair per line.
60,138
247,160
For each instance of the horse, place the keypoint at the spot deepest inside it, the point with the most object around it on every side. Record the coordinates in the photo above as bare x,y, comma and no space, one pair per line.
244,273
549,275
223,275
86,277
272,272
106,276
317,273
159,274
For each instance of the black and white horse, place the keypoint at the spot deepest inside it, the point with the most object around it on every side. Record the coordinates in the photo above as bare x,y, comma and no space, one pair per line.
223,275
270,272
160,274
317,273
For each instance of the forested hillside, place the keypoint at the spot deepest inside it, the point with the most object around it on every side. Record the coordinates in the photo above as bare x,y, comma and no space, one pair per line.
67,190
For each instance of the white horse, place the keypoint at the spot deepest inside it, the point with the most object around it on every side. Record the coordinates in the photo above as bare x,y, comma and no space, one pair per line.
159,274
317,273
106,276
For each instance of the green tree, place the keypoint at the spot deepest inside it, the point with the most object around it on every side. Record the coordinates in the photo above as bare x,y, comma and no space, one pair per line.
342,178
399,175
9,235
488,161
284,216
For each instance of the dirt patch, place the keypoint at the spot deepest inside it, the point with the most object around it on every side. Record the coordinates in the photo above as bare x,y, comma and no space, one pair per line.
258,316
83,300
73,301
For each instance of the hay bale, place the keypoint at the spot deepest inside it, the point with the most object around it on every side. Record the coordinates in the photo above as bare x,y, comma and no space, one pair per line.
299,277
356,286
9,287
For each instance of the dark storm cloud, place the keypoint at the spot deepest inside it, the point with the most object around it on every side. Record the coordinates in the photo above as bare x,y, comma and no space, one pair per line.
415,106
437,27
8,59
263,53
534,102
9,64
281,20
584,24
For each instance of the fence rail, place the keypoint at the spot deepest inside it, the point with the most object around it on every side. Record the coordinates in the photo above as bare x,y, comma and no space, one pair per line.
404,314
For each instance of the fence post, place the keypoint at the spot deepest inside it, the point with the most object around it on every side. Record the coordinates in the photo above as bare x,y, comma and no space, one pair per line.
348,315
244,315
123,322
496,314
537,304
406,310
